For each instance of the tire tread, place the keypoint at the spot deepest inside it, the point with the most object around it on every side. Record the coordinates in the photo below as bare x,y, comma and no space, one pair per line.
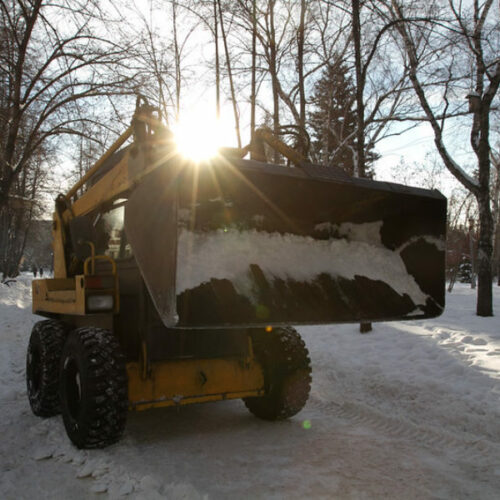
107,401
287,370
50,335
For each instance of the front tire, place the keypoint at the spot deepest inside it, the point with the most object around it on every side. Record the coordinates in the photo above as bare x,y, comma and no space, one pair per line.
42,367
93,388
287,374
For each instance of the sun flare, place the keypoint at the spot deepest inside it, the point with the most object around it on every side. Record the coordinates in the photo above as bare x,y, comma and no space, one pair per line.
198,137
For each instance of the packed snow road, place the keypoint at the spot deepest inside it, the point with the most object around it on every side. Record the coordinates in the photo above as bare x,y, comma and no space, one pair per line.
411,410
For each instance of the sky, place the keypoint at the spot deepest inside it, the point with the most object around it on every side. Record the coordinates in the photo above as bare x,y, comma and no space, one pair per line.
198,111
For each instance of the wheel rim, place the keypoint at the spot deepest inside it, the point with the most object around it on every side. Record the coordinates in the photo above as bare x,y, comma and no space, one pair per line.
72,387
34,369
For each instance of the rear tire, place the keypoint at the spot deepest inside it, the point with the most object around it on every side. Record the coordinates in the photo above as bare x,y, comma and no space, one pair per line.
42,367
93,388
287,374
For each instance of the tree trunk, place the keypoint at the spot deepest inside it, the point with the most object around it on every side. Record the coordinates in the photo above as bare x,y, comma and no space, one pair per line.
496,218
359,164
325,157
360,86
485,251
484,305
301,146
274,77
254,69
230,76
497,248
217,67
485,247
472,256
177,63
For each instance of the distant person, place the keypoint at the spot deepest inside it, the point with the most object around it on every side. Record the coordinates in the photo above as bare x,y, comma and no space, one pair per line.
41,272
34,271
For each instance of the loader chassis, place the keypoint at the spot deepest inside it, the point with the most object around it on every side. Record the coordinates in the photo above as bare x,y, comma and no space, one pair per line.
175,283
165,367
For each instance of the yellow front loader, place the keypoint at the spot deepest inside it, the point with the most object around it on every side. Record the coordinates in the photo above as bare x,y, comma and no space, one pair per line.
176,282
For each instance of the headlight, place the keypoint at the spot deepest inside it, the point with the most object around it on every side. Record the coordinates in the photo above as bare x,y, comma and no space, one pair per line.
100,302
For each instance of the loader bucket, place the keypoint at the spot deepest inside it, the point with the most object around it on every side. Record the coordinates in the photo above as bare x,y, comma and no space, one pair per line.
236,243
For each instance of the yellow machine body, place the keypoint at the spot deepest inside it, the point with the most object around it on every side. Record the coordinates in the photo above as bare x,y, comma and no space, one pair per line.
161,198
182,382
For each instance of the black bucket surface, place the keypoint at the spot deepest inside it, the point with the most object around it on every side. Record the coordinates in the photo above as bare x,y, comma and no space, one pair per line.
242,243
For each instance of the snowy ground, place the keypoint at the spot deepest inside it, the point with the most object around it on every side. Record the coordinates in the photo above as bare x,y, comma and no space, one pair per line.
411,410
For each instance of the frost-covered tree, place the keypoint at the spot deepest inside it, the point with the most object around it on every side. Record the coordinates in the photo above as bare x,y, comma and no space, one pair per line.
332,121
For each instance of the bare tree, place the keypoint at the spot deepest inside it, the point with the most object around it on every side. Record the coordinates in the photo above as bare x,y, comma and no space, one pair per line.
46,72
291,40
17,215
454,48
51,61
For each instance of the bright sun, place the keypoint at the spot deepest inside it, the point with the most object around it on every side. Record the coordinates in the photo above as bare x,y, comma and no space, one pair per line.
198,137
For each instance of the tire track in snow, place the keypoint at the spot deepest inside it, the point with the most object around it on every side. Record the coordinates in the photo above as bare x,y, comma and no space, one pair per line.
471,449
414,405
